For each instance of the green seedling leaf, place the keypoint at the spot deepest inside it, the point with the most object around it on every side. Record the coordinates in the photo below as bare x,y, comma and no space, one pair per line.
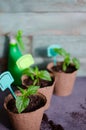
44,75
37,74
60,51
36,71
29,72
36,82
32,90
64,67
21,90
67,58
23,100
21,103
76,63
67,61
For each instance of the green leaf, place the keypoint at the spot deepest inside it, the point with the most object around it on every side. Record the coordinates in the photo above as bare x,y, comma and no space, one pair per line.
29,72
76,63
21,90
63,52
44,75
60,51
67,55
67,61
35,74
32,77
22,103
32,90
64,67
35,81
36,70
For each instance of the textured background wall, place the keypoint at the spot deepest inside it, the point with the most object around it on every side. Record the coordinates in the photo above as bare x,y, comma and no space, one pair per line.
46,22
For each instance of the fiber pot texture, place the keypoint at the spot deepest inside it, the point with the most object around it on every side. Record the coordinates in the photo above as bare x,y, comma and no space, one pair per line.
25,121
64,82
47,91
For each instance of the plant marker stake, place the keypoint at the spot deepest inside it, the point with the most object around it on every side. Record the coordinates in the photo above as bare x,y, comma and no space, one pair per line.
51,53
6,80
25,61
54,60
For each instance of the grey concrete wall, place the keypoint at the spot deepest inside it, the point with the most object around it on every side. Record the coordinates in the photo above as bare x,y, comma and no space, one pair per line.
46,22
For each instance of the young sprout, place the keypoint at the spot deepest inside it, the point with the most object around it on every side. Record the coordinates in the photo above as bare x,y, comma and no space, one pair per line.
23,100
36,74
67,59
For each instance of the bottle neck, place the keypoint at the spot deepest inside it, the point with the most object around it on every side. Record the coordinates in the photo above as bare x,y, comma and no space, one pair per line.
13,42
14,47
14,50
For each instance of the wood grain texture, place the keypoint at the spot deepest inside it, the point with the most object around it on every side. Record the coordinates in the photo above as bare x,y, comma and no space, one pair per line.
48,27
45,23
42,63
5,41
75,45
2,44
14,6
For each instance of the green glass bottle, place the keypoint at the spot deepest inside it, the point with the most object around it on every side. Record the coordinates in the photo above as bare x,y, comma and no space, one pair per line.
14,54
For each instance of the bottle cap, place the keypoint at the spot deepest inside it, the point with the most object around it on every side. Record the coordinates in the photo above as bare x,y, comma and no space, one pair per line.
12,41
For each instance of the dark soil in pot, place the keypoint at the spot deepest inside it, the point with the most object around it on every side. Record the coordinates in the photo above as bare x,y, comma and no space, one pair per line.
36,102
58,68
42,83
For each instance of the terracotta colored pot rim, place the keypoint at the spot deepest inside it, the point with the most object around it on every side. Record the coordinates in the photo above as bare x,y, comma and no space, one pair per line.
51,64
9,97
26,77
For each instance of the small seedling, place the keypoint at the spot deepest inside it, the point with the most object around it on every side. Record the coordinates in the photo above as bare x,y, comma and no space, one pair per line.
67,59
37,74
23,100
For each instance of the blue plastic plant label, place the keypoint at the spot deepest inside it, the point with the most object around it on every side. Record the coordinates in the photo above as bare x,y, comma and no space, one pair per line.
6,80
50,51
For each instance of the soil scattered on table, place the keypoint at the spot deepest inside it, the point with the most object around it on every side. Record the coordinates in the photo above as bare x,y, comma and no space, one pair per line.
79,116
49,124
